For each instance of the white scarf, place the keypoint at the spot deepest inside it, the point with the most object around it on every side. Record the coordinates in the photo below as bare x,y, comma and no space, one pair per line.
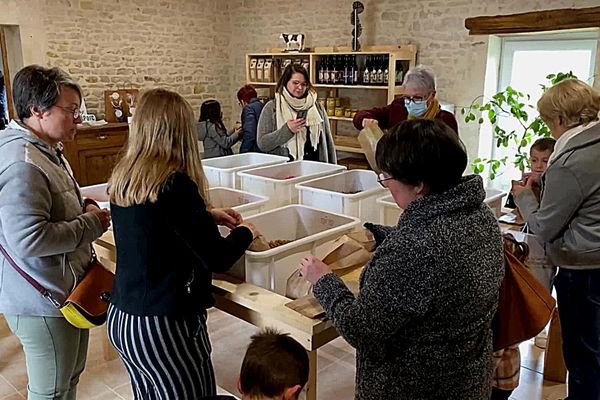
561,142
287,108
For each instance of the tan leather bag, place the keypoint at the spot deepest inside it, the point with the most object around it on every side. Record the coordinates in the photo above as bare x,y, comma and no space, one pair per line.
525,306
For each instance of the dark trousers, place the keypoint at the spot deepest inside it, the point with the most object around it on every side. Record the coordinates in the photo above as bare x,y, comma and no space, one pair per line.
578,294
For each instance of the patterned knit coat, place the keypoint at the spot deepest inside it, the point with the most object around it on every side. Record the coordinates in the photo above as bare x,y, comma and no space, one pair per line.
421,324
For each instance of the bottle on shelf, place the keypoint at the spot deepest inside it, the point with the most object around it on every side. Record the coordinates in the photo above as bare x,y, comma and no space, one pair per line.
354,71
333,72
380,70
386,71
373,73
321,73
347,71
326,70
367,72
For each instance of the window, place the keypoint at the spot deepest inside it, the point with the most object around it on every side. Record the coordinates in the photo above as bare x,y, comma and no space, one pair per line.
524,63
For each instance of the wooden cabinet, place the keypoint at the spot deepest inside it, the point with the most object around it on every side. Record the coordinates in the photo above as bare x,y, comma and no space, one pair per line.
95,151
361,96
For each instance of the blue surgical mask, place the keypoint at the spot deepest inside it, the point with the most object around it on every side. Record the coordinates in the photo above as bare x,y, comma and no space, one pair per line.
416,108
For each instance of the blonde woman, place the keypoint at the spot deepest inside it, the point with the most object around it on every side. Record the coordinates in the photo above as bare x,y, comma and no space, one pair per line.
168,245
567,218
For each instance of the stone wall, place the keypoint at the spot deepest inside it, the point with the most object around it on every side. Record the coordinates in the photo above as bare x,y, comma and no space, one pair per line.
181,45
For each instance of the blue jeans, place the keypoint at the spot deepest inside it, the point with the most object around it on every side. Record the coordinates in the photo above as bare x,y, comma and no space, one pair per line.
578,294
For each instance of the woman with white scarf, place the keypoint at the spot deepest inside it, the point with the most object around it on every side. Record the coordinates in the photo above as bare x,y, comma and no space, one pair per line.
294,124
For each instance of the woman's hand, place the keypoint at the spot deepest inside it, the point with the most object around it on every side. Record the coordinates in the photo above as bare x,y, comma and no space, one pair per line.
369,121
295,125
249,225
518,187
313,269
226,217
103,215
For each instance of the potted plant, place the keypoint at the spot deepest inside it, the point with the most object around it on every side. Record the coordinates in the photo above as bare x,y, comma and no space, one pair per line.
517,105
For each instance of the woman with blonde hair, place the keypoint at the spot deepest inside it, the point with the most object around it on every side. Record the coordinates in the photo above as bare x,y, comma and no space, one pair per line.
168,245
567,219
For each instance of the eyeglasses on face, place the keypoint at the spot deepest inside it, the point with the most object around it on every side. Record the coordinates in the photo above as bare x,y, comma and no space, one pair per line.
75,111
415,99
381,178
299,83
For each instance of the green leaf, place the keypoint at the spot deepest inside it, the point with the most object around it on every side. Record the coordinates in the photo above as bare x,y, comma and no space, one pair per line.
480,121
462,111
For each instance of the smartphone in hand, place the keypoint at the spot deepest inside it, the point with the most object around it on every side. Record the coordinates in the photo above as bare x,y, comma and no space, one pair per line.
302,114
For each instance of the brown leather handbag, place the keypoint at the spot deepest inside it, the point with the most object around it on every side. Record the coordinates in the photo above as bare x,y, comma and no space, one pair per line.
525,306
87,305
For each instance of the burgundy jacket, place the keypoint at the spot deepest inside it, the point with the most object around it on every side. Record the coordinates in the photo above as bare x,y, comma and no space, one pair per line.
390,116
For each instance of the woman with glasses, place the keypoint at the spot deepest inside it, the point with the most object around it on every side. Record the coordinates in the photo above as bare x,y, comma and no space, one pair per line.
46,228
418,102
421,324
294,124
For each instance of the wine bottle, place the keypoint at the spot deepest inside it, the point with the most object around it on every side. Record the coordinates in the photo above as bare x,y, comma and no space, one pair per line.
354,71
373,77
367,72
321,74
333,72
380,70
326,71
386,70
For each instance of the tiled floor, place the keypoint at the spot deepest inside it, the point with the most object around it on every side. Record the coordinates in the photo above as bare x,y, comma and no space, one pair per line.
109,380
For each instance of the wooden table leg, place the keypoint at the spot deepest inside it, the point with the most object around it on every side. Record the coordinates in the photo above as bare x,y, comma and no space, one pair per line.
311,386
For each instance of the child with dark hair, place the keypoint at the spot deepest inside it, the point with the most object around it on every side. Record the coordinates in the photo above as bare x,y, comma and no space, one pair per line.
211,130
275,366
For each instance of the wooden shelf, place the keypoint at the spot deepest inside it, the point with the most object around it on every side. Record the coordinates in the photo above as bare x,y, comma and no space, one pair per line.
340,119
320,85
347,143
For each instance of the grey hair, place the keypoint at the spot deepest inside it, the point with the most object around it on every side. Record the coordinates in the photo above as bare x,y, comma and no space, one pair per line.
420,77
36,86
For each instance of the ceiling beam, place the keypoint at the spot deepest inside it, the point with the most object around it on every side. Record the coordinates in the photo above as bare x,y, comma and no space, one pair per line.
535,21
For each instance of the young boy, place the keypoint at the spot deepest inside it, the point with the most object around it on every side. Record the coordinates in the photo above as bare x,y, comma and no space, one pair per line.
275,367
539,154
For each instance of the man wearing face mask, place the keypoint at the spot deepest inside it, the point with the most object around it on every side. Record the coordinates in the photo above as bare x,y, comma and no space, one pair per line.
418,101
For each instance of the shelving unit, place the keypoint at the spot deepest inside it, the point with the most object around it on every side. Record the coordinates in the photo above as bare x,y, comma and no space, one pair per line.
343,131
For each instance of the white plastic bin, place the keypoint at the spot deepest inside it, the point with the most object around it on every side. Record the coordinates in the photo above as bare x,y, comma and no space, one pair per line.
308,227
389,212
243,202
97,193
352,193
221,171
278,182
493,198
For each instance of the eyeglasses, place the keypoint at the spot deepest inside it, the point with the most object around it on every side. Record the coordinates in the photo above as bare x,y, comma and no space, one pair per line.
75,111
381,178
415,99
298,83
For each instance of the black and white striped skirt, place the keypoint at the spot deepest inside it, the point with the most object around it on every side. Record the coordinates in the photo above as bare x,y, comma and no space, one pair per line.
166,357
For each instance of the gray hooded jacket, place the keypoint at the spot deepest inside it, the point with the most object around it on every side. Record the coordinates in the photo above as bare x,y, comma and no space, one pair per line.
568,217
42,224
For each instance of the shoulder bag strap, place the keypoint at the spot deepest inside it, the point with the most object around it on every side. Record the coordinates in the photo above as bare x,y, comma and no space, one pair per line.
42,290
